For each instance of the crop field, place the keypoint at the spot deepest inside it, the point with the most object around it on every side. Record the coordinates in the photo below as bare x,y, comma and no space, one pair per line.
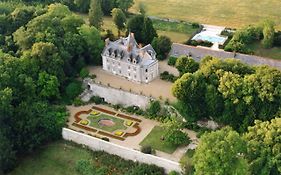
231,13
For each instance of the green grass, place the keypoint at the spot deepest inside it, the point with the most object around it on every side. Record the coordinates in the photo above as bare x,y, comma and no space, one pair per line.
174,26
232,13
153,139
119,123
274,52
56,159
60,158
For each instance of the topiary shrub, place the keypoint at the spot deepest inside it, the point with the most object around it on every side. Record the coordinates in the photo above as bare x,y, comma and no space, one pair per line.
146,149
84,73
172,61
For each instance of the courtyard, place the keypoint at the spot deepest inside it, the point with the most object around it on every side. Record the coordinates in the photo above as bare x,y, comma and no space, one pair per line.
157,88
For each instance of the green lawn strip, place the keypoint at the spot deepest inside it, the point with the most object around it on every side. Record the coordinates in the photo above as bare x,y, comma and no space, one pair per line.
153,139
119,123
173,26
274,53
59,158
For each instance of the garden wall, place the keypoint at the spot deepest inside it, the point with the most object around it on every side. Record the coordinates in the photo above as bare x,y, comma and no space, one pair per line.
113,95
126,153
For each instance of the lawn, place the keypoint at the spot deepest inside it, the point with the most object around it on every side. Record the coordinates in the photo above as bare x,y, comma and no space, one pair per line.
119,123
234,13
59,158
274,52
153,139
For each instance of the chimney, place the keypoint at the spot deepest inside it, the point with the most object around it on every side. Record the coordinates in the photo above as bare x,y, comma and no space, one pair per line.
107,42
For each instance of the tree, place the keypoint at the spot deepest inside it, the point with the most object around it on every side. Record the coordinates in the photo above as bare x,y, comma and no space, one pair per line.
48,86
268,34
119,19
125,4
94,44
173,134
222,153
142,8
186,65
95,14
143,29
107,6
154,108
264,149
162,46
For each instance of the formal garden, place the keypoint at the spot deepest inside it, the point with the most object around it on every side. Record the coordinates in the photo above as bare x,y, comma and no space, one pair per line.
107,123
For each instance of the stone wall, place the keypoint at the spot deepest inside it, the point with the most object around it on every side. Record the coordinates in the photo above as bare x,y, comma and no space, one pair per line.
126,153
113,95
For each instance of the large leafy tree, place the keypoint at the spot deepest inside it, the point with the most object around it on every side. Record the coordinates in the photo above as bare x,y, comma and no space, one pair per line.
125,4
186,64
143,29
231,92
162,46
119,19
95,14
222,153
264,147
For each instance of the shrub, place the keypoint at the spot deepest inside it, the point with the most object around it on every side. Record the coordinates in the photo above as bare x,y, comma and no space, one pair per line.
97,100
177,137
200,43
173,173
105,139
154,108
168,77
84,167
78,102
172,61
73,89
146,149
146,169
84,73
195,25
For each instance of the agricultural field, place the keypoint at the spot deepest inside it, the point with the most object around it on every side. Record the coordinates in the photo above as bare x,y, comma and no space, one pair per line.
231,13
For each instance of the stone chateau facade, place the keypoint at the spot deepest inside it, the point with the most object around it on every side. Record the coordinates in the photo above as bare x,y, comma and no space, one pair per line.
126,58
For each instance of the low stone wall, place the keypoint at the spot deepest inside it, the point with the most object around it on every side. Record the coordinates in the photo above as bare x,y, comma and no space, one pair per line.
126,153
113,95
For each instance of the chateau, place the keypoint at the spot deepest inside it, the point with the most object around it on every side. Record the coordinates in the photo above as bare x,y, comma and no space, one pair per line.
126,58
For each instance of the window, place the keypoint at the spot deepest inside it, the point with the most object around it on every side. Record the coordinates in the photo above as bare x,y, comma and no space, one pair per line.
135,76
119,71
146,78
146,70
129,67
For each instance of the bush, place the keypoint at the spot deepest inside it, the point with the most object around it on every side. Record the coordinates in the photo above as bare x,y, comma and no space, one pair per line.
154,108
97,100
195,25
84,167
173,173
73,89
200,43
78,102
146,149
172,61
168,77
84,73
146,169
177,137
105,139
